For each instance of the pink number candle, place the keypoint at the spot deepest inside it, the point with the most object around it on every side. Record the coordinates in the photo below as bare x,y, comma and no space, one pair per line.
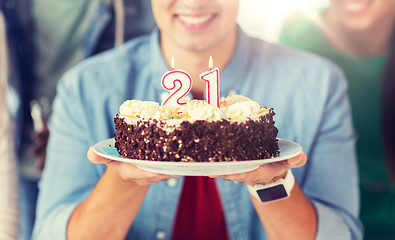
212,84
178,83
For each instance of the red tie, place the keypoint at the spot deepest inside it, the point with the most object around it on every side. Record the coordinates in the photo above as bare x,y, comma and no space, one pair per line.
199,215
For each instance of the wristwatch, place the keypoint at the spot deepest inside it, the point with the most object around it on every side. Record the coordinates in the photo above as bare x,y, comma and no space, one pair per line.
273,191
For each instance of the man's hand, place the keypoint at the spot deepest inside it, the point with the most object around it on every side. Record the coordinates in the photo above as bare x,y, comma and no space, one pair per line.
128,171
267,173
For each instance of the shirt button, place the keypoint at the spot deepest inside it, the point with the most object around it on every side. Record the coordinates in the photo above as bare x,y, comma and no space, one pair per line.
172,182
160,235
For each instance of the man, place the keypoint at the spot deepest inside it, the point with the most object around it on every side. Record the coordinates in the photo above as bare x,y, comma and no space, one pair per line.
81,200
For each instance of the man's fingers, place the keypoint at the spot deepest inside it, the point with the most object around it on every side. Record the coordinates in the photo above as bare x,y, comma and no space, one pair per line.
297,161
128,171
94,158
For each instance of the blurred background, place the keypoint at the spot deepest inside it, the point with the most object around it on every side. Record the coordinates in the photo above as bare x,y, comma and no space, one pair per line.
264,18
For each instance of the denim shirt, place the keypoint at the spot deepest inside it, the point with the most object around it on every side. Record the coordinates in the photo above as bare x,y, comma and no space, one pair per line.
307,93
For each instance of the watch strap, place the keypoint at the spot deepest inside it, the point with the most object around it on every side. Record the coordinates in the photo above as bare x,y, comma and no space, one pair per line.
273,191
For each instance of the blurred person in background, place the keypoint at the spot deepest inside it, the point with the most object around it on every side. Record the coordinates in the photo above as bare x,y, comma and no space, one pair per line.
57,35
12,62
9,210
359,36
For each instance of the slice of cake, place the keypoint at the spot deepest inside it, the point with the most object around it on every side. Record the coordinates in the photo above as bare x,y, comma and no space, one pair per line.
196,132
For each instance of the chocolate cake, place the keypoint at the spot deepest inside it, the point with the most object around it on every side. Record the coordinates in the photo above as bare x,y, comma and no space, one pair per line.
196,132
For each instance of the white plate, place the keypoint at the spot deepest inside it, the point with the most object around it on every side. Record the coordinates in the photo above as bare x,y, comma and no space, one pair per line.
106,149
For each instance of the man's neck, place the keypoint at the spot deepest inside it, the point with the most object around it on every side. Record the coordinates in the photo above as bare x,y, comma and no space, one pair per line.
196,62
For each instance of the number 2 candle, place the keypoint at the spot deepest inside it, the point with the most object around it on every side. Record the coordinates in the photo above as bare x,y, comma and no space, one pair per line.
178,83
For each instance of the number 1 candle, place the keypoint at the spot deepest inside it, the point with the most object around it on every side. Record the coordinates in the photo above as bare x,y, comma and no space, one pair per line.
212,84
178,83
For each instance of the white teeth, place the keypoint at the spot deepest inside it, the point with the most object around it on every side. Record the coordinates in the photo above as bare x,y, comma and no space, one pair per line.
355,6
194,20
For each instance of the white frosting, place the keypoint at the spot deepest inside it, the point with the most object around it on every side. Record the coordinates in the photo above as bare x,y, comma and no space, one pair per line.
147,110
201,110
232,108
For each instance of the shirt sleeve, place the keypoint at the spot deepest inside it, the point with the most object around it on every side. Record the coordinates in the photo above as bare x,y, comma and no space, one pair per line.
68,176
331,179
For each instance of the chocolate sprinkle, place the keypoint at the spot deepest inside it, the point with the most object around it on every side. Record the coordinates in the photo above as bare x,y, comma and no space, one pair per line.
199,141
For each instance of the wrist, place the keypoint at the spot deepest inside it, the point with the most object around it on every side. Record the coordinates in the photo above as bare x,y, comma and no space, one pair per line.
277,190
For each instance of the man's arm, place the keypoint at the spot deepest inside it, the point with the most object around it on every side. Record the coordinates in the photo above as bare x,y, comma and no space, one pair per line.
113,203
290,218
109,210
76,196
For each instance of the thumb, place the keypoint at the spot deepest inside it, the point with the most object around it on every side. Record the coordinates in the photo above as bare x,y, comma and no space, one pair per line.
297,161
96,159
